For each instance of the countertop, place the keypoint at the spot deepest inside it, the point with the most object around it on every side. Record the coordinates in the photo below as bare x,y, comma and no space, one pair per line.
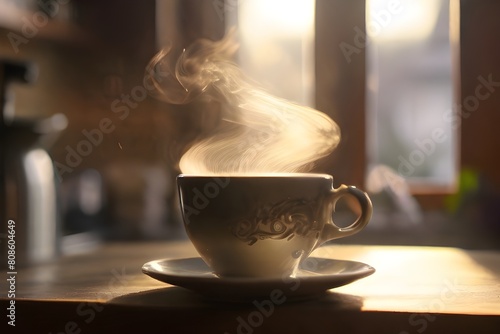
414,290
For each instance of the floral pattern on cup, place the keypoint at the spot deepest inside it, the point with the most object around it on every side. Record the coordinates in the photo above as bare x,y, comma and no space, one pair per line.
283,220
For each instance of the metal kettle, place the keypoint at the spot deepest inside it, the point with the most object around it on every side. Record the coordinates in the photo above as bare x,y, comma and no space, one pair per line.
28,202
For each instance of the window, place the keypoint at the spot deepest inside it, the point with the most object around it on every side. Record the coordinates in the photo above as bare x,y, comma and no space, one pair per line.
410,74
277,46
410,92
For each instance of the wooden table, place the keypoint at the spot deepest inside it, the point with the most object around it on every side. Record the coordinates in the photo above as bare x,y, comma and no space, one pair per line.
414,290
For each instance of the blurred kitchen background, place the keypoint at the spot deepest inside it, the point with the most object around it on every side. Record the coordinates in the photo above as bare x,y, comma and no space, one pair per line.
414,86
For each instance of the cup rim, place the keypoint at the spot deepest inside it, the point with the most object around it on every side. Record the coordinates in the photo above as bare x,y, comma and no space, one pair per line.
258,175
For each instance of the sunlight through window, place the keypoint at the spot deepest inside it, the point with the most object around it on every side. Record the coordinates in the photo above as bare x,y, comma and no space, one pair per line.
277,46
410,91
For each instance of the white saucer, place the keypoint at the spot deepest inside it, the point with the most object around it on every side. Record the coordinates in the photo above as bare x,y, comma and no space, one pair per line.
314,277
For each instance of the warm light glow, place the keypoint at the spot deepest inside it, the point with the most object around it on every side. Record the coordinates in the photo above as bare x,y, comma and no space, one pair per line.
419,279
411,74
401,20
277,41
276,17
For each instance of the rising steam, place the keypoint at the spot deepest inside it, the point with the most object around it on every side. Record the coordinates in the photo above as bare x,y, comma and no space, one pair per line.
261,133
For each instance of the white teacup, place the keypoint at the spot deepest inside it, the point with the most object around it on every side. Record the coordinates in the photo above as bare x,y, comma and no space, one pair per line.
263,225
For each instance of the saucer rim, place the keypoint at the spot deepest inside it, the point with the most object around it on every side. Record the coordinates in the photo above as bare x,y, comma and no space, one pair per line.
245,289
364,269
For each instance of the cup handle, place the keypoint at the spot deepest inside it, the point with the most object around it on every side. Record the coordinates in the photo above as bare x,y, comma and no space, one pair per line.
332,231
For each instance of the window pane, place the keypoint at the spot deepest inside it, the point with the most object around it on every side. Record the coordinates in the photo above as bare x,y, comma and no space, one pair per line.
277,46
410,91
